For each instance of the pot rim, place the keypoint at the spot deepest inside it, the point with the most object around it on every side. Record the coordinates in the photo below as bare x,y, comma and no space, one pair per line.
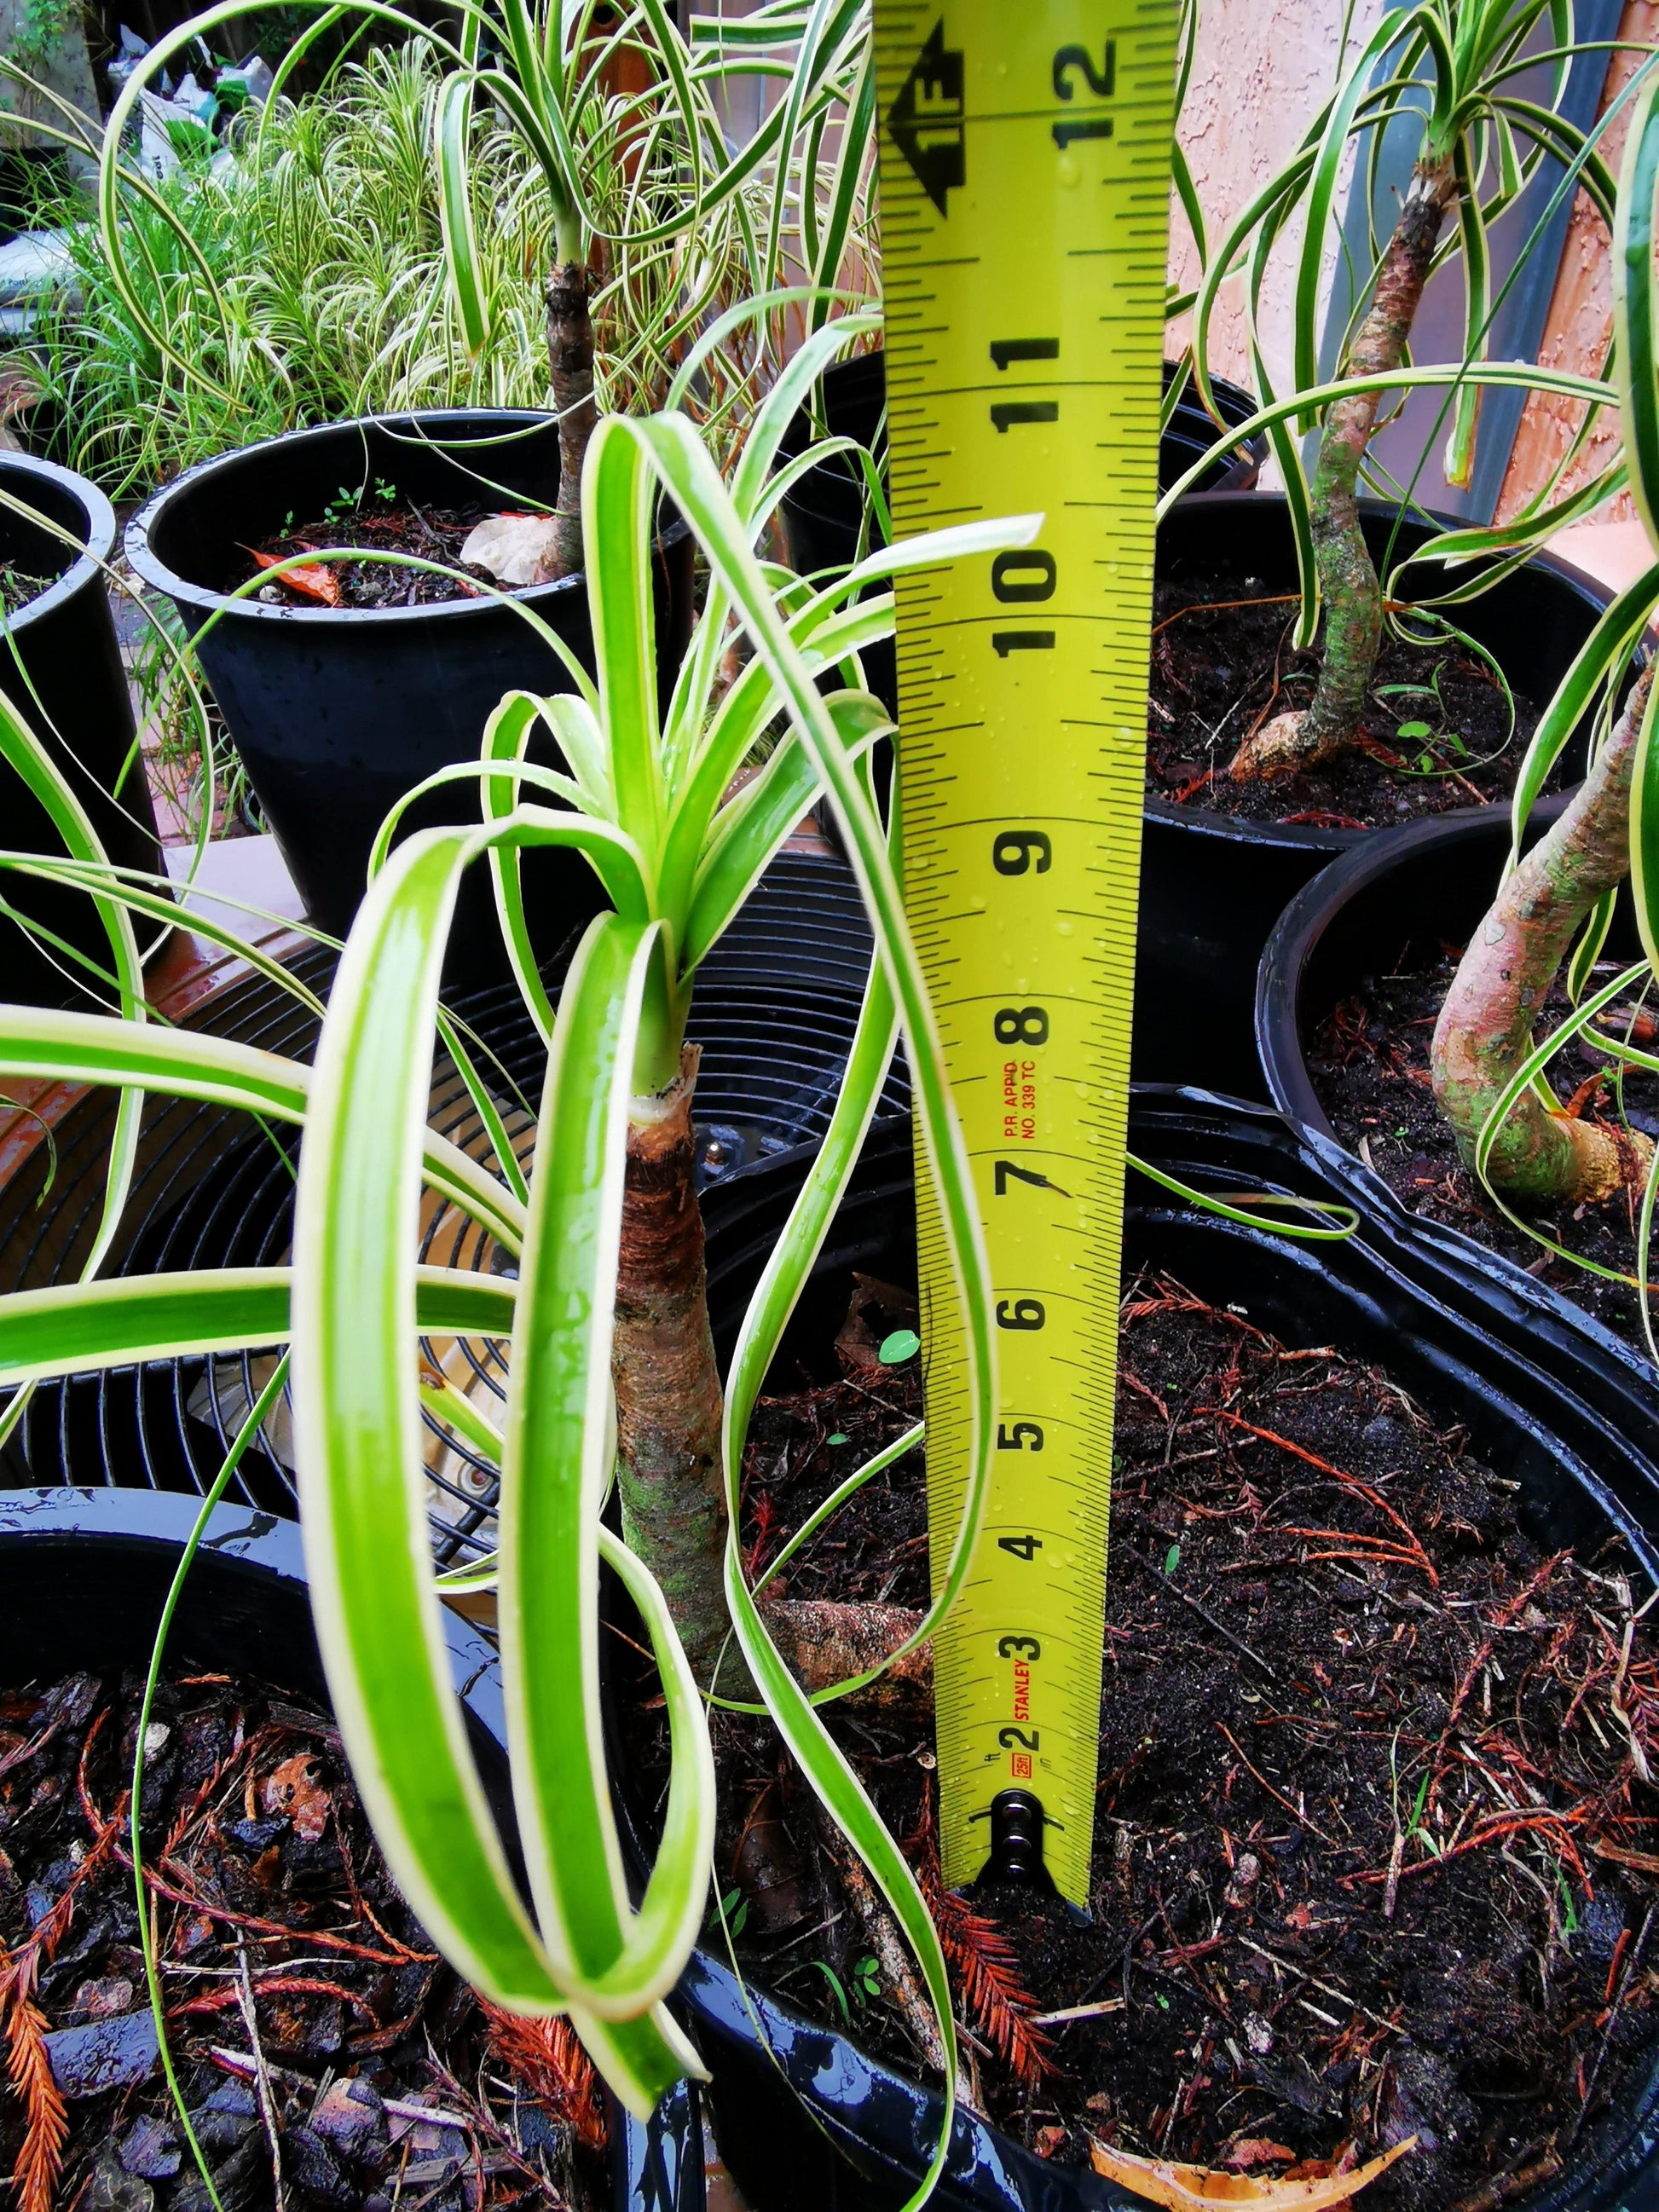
154,572
795,500
1295,937
1292,943
1212,822
99,536
161,1516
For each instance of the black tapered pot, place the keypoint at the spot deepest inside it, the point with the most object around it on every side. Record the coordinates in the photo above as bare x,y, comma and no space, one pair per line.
1431,882
336,712
60,666
794,2098
1212,885
86,1573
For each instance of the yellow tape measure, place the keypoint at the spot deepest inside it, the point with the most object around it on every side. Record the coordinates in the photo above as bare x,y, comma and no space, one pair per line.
1025,183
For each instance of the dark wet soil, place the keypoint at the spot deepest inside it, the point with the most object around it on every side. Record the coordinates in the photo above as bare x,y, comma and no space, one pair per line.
1218,675
377,524
1374,1855
284,1946
1370,1065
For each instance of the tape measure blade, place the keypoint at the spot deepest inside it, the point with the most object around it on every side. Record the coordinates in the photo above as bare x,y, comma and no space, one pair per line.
1025,183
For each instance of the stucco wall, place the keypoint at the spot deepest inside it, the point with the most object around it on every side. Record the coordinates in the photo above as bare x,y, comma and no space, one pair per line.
1260,72
1581,312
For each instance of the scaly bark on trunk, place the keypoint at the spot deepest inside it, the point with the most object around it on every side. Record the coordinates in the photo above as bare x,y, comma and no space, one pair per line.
669,1406
570,359
668,1387
1347,579
1485,1026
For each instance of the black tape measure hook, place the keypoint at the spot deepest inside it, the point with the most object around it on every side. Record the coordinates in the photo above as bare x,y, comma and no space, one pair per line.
1016,1856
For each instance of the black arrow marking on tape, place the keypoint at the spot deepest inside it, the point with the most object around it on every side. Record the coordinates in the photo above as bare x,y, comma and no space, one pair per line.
926,119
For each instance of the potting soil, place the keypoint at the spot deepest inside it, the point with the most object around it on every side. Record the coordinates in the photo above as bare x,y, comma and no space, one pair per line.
312,2026
1369,1066
1375,1853
378,524
1223,666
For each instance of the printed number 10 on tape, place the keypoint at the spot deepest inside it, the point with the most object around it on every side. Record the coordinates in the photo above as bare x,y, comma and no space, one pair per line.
1024,184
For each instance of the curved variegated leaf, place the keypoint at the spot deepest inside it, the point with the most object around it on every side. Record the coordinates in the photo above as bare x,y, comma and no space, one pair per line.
357,1427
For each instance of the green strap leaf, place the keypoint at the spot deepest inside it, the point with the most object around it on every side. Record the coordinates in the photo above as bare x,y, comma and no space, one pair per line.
752,827
617,498
558,1453
452,137
1635,336
75,1328
820,1758
1596,666
1422,375
75,1048
358,1431
1644,830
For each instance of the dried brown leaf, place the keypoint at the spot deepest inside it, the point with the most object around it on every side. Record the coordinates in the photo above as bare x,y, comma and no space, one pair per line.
546,2056
310,579
1257,2150
293,1791
986,1968
1179,2188
992,1987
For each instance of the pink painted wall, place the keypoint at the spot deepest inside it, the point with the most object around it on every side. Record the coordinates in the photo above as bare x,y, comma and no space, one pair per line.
1262,70
1581,323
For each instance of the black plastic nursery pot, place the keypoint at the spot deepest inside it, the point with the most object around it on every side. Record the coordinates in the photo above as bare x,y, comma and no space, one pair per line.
1430,884
776,1005
336,712
794,2098
86,1573
1212,885
60,666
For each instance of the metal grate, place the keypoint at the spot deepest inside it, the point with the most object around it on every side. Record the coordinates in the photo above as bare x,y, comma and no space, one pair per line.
775,1010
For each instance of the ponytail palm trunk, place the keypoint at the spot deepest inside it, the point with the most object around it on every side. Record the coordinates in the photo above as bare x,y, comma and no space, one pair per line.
1347,577
1458,66
570,372
669,1403
1485,1035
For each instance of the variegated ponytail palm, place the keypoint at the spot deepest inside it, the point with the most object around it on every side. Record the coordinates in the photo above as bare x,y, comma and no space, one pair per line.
645,801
